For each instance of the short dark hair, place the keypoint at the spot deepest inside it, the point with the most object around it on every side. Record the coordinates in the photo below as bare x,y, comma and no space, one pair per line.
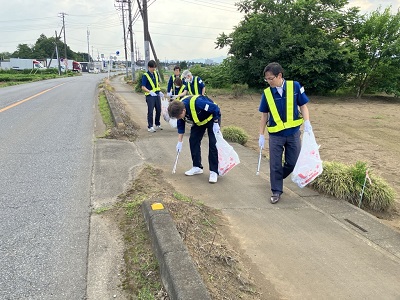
151,64
175,108
273,68
178,81
177,68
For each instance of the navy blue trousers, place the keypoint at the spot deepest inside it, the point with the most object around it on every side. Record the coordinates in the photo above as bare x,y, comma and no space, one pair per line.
196,135
153,102
289,146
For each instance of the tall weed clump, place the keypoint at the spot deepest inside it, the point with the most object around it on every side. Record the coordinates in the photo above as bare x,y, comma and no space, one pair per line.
239,90
235,134
346,182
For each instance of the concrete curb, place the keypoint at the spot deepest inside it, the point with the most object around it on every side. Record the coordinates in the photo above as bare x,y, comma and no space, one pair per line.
118,122
178,273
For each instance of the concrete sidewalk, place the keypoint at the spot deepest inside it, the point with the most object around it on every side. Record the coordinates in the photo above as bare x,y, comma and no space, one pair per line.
307,246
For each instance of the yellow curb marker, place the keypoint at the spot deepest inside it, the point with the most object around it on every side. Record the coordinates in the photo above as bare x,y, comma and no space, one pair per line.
157,206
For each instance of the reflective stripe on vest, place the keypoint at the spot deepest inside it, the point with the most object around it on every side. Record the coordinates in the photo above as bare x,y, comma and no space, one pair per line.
154,87
290,107
194,113
196,87
180,91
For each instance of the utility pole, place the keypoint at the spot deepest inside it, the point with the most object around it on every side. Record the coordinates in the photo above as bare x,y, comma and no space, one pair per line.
147,38
65,42
123,26
146,33
88,55
131,37
58,58
51,58
137,52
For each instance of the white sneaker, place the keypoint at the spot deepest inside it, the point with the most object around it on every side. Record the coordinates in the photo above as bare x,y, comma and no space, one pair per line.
213,177
151,129
159,127
194,171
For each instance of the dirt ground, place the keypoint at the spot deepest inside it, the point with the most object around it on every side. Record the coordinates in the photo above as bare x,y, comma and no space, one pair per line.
348,130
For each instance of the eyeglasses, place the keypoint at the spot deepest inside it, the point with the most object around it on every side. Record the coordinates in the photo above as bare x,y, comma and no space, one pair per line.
269,79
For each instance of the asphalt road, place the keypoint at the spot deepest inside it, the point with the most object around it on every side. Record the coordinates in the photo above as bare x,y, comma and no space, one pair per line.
46,161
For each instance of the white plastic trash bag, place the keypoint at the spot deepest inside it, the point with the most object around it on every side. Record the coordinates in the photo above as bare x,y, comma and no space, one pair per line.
164,109
309,163
227,156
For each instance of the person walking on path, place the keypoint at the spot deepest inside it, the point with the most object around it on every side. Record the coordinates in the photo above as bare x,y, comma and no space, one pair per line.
194,85
175,85
203,114
151,88
279,106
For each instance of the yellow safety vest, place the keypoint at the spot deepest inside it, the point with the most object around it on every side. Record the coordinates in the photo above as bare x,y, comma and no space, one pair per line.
290,107
180,91
154,86
194,113
196,87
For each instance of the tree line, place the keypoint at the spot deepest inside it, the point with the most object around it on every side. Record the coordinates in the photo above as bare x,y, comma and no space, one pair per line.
323,44
44,47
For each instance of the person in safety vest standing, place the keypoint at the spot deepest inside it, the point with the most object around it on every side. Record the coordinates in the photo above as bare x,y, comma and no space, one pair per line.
175,85
279,106
194,85
151,88
203,114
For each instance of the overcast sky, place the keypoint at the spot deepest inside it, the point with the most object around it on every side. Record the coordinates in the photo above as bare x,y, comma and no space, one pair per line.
180,29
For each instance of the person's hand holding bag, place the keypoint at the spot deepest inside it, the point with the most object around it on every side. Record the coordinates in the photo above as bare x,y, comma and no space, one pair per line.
307,126
216,128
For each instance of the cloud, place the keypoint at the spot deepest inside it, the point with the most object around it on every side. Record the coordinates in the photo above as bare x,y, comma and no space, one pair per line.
180,29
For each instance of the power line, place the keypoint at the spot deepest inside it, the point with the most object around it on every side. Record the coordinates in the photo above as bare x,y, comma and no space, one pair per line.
212,5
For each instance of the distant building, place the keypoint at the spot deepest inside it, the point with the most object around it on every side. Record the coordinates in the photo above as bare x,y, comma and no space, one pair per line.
209,62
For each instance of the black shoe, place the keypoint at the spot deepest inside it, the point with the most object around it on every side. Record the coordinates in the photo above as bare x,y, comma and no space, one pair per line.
275,198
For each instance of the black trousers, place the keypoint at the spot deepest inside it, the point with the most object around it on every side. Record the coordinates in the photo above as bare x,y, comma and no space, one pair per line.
196,135
153,102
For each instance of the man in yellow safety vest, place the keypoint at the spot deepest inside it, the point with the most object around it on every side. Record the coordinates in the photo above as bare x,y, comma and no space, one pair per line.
152,91
203,114
279,106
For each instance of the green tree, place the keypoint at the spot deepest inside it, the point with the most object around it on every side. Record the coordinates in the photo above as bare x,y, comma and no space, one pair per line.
5,55
306,37
45,48
183,65
377,47
23,51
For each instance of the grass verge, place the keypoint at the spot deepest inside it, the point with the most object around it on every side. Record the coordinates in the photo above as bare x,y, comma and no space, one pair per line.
200,229
105,111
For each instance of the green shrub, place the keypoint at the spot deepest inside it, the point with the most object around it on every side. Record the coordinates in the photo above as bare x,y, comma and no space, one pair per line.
235,134
335,181
346,182
239,89
138,85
